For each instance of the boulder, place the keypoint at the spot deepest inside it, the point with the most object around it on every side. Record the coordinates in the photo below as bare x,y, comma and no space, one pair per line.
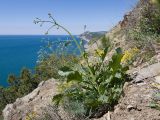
157,79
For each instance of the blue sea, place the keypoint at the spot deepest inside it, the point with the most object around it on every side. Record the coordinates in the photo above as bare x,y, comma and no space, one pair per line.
19,51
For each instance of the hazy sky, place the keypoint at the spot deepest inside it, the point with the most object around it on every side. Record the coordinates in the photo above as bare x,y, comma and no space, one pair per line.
16,16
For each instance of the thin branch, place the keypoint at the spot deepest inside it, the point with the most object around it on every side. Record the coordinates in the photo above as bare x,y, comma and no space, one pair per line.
50,28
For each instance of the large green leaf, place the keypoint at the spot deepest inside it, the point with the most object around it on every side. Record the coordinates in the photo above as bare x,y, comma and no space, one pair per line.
57,98
116,60
61,73
102,88
87,88
119,50
74,76
124,69
65,69
157,96
103,99
118,75
154,105
105,52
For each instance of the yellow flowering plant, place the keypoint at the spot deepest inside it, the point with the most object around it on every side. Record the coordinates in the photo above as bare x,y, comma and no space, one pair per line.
155,2
31,116
129,55
99,52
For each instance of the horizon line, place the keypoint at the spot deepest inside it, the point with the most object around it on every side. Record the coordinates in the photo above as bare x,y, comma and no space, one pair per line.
32,34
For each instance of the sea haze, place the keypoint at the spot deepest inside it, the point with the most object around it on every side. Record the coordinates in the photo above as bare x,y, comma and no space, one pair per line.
18,51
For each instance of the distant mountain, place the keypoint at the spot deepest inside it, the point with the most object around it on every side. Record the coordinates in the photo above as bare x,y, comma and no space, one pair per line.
92,37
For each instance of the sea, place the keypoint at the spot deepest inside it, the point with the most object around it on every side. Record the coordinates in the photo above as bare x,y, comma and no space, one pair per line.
23,51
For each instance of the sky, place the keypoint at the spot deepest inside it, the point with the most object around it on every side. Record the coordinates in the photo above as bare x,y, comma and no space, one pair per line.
17,16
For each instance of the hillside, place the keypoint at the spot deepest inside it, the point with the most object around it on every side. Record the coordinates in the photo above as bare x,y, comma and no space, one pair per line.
130,33
118,34
140,96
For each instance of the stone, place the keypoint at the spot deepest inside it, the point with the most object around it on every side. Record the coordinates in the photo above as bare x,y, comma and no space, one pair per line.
132,119
126,84
117,110
157,79
148,72
141,84
130,107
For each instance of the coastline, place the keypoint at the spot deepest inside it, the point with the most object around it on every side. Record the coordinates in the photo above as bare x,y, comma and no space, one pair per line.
86,41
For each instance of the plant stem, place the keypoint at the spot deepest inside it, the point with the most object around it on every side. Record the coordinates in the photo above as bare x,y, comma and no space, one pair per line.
79,47
77,44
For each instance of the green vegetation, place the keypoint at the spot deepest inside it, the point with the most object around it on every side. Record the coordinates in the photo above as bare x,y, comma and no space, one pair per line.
147,30
155,104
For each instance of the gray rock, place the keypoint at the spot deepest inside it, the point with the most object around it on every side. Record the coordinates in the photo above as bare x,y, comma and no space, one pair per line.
157,79
130,107
148,72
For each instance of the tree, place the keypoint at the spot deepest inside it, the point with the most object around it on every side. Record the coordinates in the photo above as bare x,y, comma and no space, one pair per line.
3,99
12,80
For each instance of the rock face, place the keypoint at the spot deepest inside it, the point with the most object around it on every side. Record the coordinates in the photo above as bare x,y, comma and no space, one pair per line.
33,102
